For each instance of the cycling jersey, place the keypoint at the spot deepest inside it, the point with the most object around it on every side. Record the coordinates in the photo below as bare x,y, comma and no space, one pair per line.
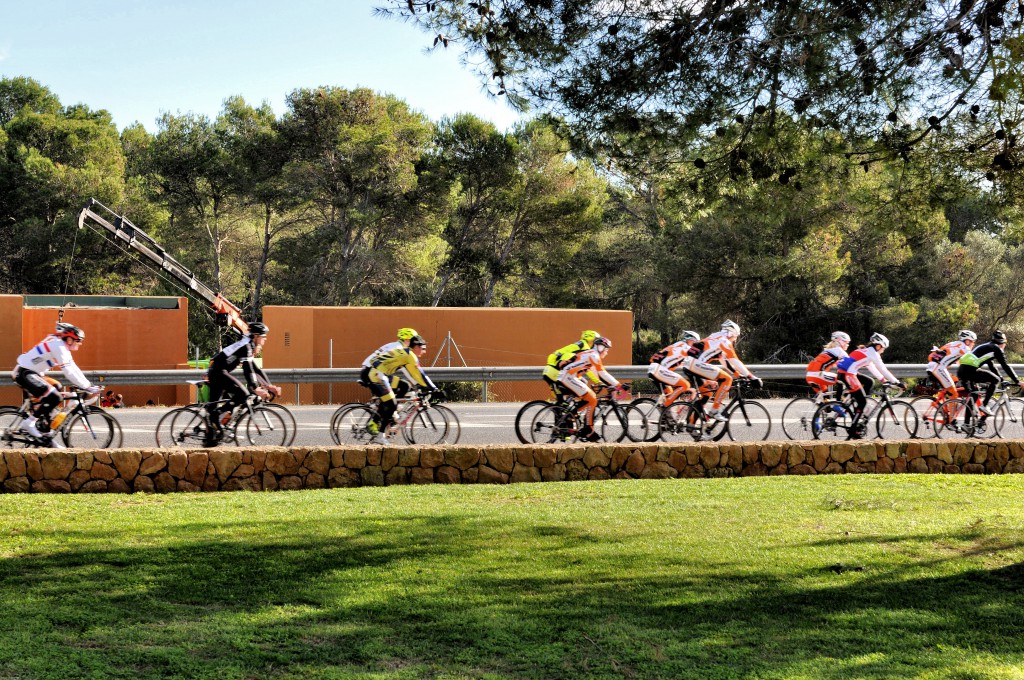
988,354
239,352
584,362
393,357
51,352
671,357
824,365
865,357
718,347
947,355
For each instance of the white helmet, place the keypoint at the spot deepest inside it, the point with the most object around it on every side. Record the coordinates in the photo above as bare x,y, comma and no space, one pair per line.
731,327
968,335
841,336
692,336
879,339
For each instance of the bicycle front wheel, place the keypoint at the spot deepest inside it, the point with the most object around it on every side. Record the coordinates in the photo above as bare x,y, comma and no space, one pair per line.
1010,423
749,422
181,427
896,420
797,416
950,419
681,421
833,420
454,426
286,415
428,426
96,429
261,427
925,408
350,425
11,436
652,413
553,424
610,421
525,416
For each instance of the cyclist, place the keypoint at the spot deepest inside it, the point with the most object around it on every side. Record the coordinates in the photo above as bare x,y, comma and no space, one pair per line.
820,373
718,361
665,362
222,383
379,371
973,366
941,359
859,386
588,361
53,351
560,357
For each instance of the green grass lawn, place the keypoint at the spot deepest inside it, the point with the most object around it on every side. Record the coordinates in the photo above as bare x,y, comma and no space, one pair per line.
783,577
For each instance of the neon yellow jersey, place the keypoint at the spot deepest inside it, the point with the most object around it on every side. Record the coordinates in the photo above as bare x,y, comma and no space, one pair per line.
389,359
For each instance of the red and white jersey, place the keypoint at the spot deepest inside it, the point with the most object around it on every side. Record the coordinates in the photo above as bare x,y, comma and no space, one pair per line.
948,355
718,347
52,353
585,361
866,357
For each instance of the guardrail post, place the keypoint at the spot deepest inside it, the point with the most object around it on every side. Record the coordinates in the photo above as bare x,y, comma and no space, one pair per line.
484,395
296,394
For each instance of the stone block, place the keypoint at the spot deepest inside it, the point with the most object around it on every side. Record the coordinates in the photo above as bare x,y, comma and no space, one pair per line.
33,467
576,471
103,456
51,486
119,486
127,463
409,457
556,473
694,472
842,452
732,456
565,454
973,469
470,476
1000,453
225,462
721,473
57,464
83,461
754,470
3,469
464,457
372,475
866,453
389,458
710,456
944,452
596,456
103,471
446,474
917,465
619,457
885,465
980,454
893,450
635,464
259,461
341,478
489,475
751,453
94,486
78,478
269,481
796,455
152,464
802,469
832,468
658,470
282,462
185,486
544,458
779,470
420,475
771,455
524,473
244,470
820,455
502,460
397,476
143,484
431,457
243,484
314,480
677,460
195,471
693,453
290,483
164,482
177,461
598,473
524,457
211,483
318,461
951,469
17,484
375,456
354,459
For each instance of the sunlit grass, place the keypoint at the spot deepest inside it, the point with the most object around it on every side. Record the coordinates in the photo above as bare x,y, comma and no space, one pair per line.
819,577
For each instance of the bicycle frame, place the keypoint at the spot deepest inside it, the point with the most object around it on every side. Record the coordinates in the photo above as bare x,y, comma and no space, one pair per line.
80,408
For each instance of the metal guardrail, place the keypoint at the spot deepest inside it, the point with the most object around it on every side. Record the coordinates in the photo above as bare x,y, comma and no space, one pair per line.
449,374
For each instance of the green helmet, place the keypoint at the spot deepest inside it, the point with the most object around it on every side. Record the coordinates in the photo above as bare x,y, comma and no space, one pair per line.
589,337
407,333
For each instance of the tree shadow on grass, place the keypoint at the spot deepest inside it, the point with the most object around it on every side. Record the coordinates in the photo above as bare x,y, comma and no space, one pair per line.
417,598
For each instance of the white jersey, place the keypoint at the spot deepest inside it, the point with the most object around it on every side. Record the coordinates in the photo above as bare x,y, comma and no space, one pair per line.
53,353
390,347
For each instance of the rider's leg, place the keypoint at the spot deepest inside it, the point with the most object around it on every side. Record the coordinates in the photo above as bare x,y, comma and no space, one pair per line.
724,384
46,397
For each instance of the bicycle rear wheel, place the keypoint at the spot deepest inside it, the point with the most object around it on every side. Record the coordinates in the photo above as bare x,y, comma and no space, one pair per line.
897,419
833,420
95,430
797,416
261,427
525,416
350,425
681,421
950,417
749,422
182,427
652,413
427,426
553,424
11,435
925,408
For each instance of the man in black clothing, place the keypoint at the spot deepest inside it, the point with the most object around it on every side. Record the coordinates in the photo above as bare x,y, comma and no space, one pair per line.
979,366
222,383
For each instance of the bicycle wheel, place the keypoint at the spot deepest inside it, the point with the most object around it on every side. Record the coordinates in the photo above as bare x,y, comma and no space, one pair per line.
427,426
832,420
1010,424
950,418
287,417
553,424
11,436
454,426
925,408
350,425
796,418
681,421
183,427
896,420
96,429
652,413
261,427
638,427
749,422
524,418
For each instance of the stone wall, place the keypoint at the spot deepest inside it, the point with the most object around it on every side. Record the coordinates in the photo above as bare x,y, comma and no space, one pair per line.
155,470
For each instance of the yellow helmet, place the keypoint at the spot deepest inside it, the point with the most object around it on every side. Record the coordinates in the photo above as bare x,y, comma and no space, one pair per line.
407,333
589,337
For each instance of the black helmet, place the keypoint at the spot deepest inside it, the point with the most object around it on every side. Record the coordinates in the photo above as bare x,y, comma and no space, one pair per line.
417,340
66,330
258,328
998,337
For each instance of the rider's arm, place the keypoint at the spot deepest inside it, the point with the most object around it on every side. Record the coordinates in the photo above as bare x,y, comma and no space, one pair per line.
69,368
1000,356
412,367
879,370
732,361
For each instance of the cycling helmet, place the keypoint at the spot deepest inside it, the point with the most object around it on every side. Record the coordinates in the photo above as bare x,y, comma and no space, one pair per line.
407,333
879,339
66,330
258,328
417,340
998,337
603,341
692,336
967,335
589,337
841,336
731,327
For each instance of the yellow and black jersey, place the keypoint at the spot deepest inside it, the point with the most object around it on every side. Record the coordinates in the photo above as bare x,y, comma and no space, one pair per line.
394,357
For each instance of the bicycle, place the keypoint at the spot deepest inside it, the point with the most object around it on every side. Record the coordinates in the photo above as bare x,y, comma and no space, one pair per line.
799,412
614,421
838,419
746,420
964,416
84,425
652,408
251,422
417,418
926,403
529,410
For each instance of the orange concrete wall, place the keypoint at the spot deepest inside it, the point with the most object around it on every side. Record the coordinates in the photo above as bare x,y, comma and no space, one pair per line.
10,345
485,336
116,339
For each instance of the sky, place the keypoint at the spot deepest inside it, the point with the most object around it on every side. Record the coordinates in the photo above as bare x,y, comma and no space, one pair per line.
138,59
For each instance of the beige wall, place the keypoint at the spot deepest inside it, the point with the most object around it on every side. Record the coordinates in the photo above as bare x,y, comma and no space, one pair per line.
484,336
